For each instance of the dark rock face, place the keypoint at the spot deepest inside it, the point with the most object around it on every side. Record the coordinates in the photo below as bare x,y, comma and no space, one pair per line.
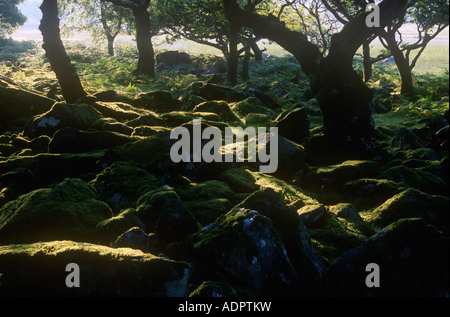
412,257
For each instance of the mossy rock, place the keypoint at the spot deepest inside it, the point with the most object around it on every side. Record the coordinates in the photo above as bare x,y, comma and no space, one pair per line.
251,105
334,236
16,102
417,179
69,210
40,270
289,227
145,131
219,107
245,247
18,182
240,180
412,257
51,168
293,125
119,111
163,213
121,184
134,238
158,101
258,120
109,229
212,92
337,174
80,116
71,140
178,118
412,203
211,289
150,119
371,192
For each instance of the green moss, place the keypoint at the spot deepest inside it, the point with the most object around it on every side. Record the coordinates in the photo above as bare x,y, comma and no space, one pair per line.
251,105
108,230
412,203
288,193
335,237
258,120
40,270
69,210
178,118
240,180
121,184
221,108
212,289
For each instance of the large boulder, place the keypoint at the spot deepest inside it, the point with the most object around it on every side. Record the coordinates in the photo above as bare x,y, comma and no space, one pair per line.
412,258
243,246
69,211
172,58
121,184
16,103
71,140
294,125
158,101
163,213
40,270
81,116
412,203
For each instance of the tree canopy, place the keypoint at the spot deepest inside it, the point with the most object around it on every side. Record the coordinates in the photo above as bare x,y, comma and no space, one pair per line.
10,16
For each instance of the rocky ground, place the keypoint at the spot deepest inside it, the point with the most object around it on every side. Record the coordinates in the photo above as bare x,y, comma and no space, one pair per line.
93,184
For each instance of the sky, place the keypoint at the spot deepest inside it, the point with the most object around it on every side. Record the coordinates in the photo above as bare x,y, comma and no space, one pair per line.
29,30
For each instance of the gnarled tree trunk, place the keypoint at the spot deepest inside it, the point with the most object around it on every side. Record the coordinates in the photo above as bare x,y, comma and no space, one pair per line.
54,49
146,61
343,97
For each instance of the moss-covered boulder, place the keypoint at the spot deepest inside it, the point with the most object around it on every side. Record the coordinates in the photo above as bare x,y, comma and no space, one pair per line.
406,139
158,101
134,238
69,210
80,116
219,107
212,289
289,227
412,257
212,92
17,182
244,246
240,180
336,174
121,184
293,125
251,105
346,211
208,200
40,270
119,111
71,140
110,229
412,203
163,213
150,119
16,103
178,118
257,120
418,179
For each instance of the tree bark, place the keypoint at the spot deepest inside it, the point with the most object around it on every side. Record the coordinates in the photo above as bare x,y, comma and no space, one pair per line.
60,62
146,61
233,58
402,64
367,62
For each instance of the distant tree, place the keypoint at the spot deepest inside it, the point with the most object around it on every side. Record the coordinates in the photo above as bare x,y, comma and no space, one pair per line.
430,19
101,19
204,22
343,97
144,34
10,16
54,49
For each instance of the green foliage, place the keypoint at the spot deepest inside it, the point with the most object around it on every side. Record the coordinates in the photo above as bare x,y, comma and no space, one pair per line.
10,16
